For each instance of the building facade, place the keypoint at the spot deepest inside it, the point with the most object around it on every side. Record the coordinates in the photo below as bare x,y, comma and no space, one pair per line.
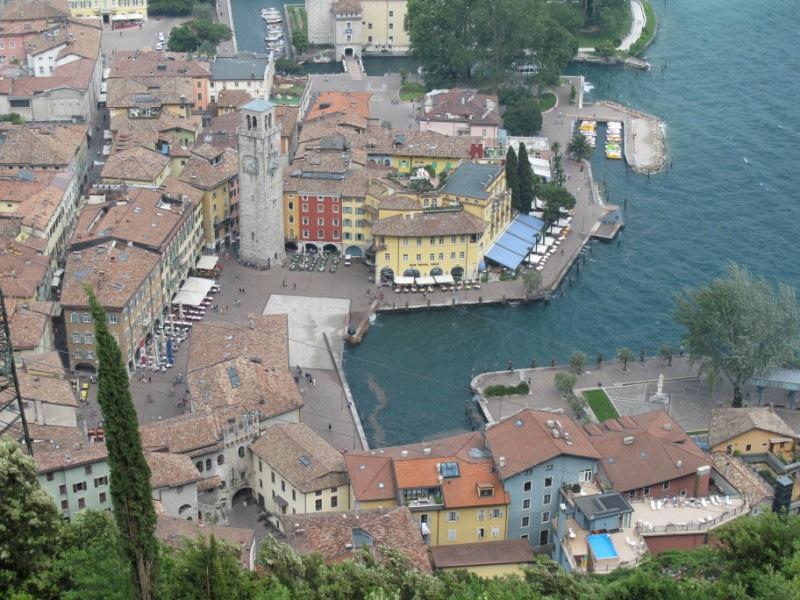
117,13
77,480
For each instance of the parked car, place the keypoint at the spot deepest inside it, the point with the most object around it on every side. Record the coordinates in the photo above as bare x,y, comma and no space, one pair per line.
160,36
347,260
160,46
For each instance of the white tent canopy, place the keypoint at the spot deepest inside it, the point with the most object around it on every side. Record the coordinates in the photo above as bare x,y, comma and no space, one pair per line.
403,280
425,281
207,263
128,17
194,291
444,279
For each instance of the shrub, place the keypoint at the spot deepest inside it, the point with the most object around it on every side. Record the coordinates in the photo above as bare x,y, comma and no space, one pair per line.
506,390
577,362
564,382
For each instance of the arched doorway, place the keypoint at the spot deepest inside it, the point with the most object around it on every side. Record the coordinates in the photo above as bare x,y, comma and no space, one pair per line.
312,248
411,273
387,274
184,509
87,368
436,271
348,52
354,251
330,249
457,273
243,495
291,247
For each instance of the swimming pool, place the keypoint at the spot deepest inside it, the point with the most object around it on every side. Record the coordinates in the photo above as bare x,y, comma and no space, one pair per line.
602,547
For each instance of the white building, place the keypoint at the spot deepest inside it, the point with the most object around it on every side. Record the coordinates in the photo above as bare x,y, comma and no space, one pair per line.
247,72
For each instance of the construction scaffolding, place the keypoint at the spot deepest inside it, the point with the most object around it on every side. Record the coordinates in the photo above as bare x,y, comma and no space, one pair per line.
12,411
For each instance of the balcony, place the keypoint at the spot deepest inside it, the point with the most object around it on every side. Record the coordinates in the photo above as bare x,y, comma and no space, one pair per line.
424,504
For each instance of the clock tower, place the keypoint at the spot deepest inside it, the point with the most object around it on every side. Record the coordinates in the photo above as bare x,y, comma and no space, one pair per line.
261,237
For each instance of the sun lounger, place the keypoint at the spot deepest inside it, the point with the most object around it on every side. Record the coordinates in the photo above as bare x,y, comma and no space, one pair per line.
728,500
704,502
653,504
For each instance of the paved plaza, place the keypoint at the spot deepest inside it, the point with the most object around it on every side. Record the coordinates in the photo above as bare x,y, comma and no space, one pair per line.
309,320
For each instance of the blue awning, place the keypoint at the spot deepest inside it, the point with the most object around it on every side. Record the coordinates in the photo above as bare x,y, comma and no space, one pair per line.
515,242
504,257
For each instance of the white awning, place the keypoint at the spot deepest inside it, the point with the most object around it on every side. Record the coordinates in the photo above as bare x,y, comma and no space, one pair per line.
424,528
128,17
444,279
425,281
207,263
194,291
403,280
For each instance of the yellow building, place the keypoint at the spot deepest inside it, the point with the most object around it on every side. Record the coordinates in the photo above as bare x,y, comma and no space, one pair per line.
297,472
443,232
383,26
449,485
407,151
112,12
752,430
215,172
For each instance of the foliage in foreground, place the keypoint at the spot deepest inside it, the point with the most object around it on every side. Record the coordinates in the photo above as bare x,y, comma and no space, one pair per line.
198,35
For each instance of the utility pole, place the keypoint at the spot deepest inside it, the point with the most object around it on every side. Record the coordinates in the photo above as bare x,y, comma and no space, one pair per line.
11,407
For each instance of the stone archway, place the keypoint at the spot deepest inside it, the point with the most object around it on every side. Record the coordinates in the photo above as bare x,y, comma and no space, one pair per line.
348,52
436,271
411,273
311,247
330,249
354,251
291,247
457,273
387,274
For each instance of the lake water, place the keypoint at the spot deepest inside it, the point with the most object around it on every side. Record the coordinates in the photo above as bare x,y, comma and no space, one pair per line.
727,95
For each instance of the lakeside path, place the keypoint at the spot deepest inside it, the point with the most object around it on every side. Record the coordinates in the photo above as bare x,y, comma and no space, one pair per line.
225,17
638,22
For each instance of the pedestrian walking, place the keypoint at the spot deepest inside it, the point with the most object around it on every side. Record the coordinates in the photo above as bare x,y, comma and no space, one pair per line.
330,426
641,355
680,350
552,362
314,381
149,380
533,363
599,360
295,285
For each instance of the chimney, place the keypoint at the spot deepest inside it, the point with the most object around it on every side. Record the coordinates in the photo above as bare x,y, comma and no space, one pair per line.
701,479
501,461
667,426
628,440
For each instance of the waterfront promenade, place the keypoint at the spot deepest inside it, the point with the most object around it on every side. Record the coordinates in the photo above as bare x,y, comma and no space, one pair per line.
225,17
690,398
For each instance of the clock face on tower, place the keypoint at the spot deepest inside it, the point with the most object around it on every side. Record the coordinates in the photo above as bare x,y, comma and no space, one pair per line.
251,165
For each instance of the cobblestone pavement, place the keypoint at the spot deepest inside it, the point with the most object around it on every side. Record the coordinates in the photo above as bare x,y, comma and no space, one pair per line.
138,38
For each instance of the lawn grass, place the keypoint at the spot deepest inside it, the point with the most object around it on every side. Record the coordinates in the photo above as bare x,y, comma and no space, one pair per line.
412,91
297,13
600,404
547,101
648,33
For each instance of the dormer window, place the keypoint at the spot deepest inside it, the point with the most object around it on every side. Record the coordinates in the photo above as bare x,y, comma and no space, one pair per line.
485,490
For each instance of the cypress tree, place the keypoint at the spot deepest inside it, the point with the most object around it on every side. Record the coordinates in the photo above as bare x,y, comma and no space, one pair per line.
525,178
130,475
512,176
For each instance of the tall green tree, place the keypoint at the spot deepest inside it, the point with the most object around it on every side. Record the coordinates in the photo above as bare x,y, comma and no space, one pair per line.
739,326
512,175
523,118
525,180
130,476
29,525
555,198
579,147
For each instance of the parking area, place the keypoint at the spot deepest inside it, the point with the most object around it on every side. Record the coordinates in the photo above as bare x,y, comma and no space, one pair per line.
139,38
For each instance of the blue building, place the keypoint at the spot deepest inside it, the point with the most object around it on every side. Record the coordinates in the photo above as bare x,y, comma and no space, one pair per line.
536,453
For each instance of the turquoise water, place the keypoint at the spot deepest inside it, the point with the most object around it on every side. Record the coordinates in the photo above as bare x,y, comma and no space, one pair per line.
727,94
602,546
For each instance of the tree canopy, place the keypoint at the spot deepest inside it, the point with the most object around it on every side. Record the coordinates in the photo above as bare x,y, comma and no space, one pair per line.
464,40
739,325
131,494
200,35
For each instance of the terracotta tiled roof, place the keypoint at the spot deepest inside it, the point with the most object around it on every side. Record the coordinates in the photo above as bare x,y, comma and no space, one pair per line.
399,202
462,105
175,188
343,103
502,552
330,534
115,274
40,146
430,224
165,122
267,339
660,450
74,75
21,276
209,483
69,458
458,492
27,328
142,218
347,6
149,92
233,98
148,63
170,470
355,184
52,438
301,456
727,423
187,434
241,382
206,151
174,531
135,164
742,477
221,131
524,441
372,474
200,173
50,389
30,10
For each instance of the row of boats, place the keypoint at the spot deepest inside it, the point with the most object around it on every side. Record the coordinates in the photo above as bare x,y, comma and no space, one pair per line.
274,39
613,145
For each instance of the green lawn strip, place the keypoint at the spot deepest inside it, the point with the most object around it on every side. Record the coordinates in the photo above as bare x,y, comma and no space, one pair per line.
299,17
412,91
600,404
649,31
547,101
